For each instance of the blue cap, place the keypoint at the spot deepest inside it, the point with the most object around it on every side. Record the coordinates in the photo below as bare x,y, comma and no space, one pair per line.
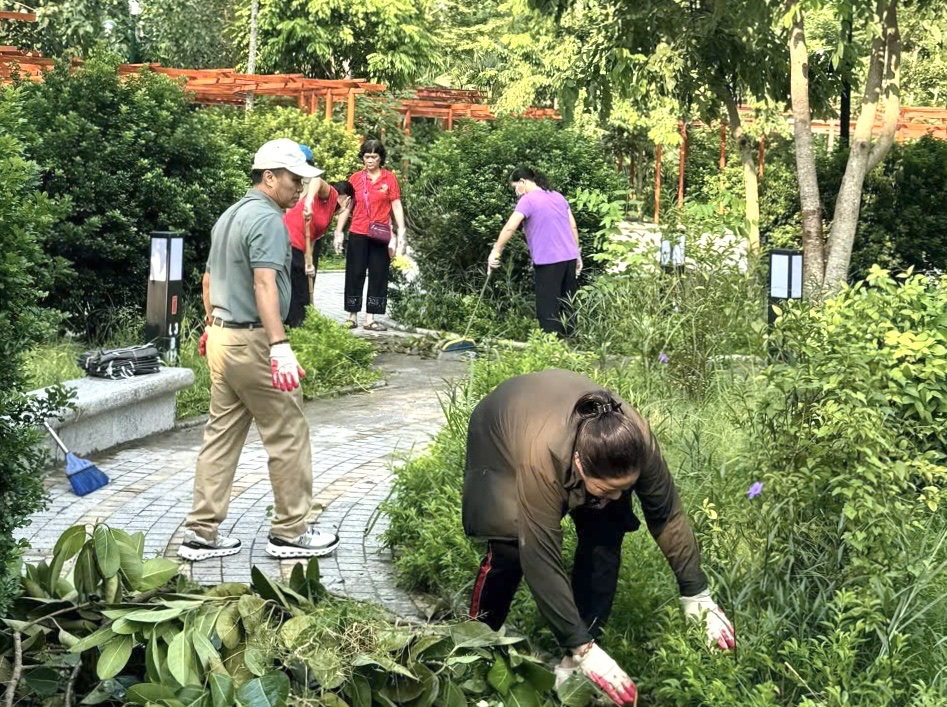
306,151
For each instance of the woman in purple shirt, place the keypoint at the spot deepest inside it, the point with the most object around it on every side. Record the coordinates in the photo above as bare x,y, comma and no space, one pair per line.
553,241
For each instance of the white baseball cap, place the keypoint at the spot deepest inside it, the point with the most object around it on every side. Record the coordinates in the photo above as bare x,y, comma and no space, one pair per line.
284,154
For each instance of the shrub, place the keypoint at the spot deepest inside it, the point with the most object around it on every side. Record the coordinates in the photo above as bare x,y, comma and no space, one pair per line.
24,215
459,198
121,158
333,148
332,357
833,576
691,323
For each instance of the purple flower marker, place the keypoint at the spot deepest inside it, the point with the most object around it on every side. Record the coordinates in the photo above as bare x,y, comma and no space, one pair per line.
755,490
663,357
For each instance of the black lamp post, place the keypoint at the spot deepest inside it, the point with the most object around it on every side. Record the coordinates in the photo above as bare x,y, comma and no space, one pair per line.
165,293
785,278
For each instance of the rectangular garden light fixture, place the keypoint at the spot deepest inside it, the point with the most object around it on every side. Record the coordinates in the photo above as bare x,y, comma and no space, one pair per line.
165,293
785,278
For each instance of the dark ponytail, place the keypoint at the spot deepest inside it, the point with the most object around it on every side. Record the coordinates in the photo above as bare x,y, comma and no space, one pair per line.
608,443
522,172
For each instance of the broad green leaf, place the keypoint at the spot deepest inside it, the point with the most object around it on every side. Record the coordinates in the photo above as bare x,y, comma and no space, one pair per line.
192,695
156,572
106,551
393,639
42,680
181,659
228,626
66,639
359,691
228,589
540,677
292,631
453,696
67,547
206,620
271,690
93,640
85,578
501,677
523,695
145,692
297,579
125,627
221,690
476,634
70,542
114,657
428,647
383,662
153,616
256,660
266,588
129,557
577,691
156,659
205,650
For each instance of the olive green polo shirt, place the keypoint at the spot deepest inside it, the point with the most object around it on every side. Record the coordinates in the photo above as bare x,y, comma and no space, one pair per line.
249,235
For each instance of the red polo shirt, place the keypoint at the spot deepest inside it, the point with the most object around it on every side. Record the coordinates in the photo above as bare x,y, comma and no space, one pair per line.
381,193
322,212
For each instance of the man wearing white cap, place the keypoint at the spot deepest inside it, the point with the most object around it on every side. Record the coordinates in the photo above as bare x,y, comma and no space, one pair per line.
254,372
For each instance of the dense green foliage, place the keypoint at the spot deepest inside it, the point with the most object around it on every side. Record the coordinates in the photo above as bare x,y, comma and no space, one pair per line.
120,629
120,158
24,215
385,40
833,575
459,200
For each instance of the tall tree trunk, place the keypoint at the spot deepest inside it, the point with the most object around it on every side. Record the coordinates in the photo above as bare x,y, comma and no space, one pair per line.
813,247
251,59
845,109
751,184
884,71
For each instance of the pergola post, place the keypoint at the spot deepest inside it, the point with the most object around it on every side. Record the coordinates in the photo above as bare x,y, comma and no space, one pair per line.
313,103
350,112
723,160
407,137
450,118
329,104
657,183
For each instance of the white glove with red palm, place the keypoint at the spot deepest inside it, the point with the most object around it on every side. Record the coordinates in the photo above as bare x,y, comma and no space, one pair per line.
701,607
599,667
284,367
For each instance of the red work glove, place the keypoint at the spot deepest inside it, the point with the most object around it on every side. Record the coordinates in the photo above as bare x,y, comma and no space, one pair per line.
599,667
202,345
701,607
285,368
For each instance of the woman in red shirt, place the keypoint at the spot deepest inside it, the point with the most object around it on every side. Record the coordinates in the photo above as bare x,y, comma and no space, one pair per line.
321,202
377,198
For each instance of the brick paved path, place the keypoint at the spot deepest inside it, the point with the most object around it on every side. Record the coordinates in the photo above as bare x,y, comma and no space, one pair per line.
355,441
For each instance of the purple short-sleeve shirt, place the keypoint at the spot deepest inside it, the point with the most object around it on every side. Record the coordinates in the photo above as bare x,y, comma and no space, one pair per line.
548,231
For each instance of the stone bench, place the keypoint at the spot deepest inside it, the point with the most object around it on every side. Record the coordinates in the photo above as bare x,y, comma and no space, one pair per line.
111,412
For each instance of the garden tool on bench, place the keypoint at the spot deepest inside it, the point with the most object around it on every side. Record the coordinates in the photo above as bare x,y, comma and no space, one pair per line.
465,345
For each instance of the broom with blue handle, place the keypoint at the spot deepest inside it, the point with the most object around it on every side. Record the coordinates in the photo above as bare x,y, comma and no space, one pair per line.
84,476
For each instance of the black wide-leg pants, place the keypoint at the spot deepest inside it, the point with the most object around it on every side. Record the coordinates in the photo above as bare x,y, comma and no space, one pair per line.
365,256
555,285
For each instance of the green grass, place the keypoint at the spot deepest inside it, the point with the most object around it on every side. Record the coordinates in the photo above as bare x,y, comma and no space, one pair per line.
53,363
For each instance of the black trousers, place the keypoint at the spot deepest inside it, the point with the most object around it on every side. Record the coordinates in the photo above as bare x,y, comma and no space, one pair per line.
600,532
299,284
555,284
366,256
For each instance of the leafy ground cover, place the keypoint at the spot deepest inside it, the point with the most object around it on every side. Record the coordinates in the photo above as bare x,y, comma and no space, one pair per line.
121,629
814,483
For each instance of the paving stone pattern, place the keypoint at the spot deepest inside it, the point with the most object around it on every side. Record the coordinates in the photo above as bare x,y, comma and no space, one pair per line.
356,441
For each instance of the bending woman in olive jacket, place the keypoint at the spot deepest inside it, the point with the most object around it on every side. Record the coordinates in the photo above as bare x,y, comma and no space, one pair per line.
554,442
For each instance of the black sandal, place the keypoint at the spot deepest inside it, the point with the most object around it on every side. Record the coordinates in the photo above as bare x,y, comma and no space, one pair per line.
349,324
375,326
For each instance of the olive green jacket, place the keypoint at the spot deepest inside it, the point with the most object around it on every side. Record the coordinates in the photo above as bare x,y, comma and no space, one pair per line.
519,482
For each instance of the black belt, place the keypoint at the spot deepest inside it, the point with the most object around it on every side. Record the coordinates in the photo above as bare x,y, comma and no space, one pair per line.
217,321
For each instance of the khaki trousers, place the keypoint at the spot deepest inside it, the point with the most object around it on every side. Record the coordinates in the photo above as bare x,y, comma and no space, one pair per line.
242,390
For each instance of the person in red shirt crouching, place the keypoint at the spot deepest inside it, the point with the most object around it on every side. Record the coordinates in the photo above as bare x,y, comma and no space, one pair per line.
320,203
